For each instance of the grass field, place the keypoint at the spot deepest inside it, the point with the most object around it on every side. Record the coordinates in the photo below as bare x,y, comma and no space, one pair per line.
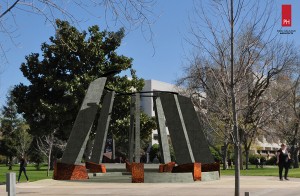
35,175
32,173
266,171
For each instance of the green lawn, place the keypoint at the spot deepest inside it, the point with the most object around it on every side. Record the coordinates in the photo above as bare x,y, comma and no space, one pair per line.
35,175
32,173
266,171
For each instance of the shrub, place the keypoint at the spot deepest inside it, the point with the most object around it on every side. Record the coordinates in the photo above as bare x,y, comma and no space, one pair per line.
216,155
2,159
253,158
271,161
154,151
263,159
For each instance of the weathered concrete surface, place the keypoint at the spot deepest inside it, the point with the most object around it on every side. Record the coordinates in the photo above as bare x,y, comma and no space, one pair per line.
83,123
102,128
209,176
162,132
197,138
178,133
257,186
151,177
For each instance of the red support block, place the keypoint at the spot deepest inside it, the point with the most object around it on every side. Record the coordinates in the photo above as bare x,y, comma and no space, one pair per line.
166,167
161,168
95,168
169,167
137,172
63,171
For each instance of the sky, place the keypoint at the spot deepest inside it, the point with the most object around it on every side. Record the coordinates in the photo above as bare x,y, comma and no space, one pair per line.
161,59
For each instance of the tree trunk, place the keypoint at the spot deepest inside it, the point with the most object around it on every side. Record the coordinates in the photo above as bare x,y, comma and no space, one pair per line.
49,161
295,148
10,163
7,161
224,155
296,158
247,158
48,168
241,159
237,170
53,156
234,112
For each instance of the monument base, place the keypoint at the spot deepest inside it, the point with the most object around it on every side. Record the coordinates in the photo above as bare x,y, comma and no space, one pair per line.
195,168
210,167
166,167
95,168
63,171
210,176
137,171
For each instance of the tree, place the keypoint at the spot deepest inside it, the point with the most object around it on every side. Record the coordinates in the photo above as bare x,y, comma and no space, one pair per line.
23,139
15,137
237,44
35,155
286,122
129,13
59,79
46,144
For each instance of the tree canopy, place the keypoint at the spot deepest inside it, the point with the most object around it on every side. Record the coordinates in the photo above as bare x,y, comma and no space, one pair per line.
60,75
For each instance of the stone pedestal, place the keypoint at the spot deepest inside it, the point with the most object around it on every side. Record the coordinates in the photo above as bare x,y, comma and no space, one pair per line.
167,167
137,171
95,168
63,171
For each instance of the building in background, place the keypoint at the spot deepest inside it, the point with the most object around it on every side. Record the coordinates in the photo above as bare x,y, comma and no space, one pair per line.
266,145
147,102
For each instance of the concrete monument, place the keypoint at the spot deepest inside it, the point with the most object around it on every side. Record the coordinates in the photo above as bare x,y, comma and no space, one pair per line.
102,128
83,123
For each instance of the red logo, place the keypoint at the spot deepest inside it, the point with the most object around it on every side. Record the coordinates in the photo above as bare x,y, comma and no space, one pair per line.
286,20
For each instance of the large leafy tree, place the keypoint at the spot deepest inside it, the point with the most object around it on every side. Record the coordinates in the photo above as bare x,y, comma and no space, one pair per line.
60,75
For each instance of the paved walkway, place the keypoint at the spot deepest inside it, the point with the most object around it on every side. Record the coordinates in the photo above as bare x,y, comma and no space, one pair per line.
255,185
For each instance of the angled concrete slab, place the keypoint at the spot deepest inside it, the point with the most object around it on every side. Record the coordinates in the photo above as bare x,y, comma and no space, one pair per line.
131,130
178,133
102,128
194,129
137,128
162,131
83,123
